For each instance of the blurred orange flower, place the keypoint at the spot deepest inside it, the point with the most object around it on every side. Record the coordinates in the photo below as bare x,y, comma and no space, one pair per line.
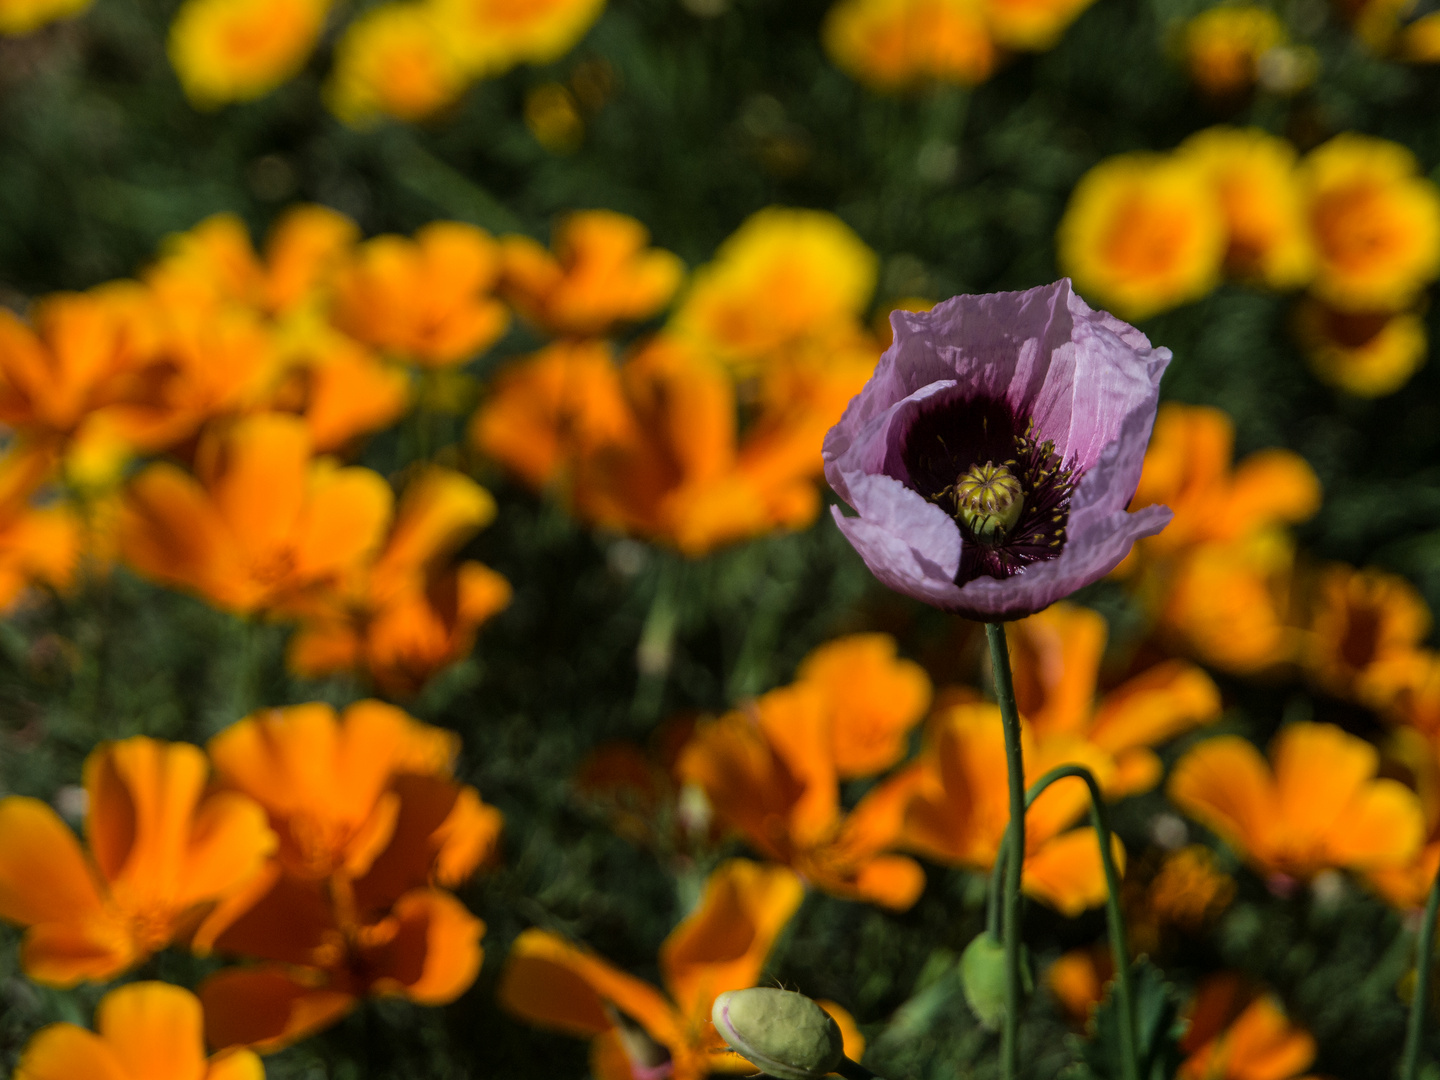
1223,45
409,612
239,50
1235,1035
493,36
602,272
633,1026
784,275
897,44
372,828
1056,663
40,543
1367,354
1031,25
161,853
1406,886
144,1031
1189,889
260,522
1363,623
394,60
770,773
1376,223
1253,173
1078,979
425,301
1317,804
339,387
956,808
1142,233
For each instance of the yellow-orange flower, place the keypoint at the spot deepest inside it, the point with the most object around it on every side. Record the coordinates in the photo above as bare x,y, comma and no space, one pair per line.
427,300
1223,46
602,272
238,50
260,522
1236,1035
1056,661
1376,223
410,612
873,697
1420,40
23,16
1317,804
895,44
394,60
144,1031
39,544
1189,889
721,945
1253,174
782,276
161,853
1366,354
1142,233
372,828
955,806
1031,25
771,774
492,36
1407,885
341,389
1362,622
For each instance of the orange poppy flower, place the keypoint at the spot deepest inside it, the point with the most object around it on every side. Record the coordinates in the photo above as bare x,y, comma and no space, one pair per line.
1223,45
339,387
259,523
602,272
872,697
770,773
634,1027
1078,979
1189,889
144,1031
1056,661
239,50
1410,683
493,36
956,807
1236,1035
371,828
898,44
551,409
39,544
1316,805
1407,886
1362,623
161,853
1366,354
410,612
426,301
394,60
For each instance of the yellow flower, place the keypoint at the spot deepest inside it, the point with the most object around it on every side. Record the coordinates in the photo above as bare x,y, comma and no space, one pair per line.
495,35
23,16
1143,233
1420,41
782,276
238,50
1376,223
1031,25
1223,46
1366,354
394,60
1254,176
891,44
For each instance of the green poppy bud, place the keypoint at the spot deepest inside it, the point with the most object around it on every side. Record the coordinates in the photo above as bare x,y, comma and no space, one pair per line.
982,976
780,1032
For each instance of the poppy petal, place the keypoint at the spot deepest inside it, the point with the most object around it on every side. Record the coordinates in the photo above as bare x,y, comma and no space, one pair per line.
155,1030
65,1052
265,1009
44,876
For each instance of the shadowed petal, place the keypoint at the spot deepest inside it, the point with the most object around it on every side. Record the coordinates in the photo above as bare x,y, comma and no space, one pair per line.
265,1009
435,953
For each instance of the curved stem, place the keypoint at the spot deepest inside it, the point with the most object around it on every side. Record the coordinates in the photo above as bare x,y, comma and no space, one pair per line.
1015,838
1424,961
1114,917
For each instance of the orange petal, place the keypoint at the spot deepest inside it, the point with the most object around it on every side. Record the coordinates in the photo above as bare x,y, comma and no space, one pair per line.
256,476
343,521
1165,700
1066,872
1225,785
67,1052
229,839
154,1029
44,876
1319,771
1263,1045
723,944
1055,657
892,881
169,531
275,917
235,1065
551,982
853,1041
439,511
793,721
265,1009
64,953
743,779
1383,826
435,954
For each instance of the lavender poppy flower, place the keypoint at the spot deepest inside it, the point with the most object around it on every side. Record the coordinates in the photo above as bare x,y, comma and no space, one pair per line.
992,454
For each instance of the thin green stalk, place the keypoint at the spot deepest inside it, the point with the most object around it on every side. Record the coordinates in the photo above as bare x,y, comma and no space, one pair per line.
1015,837
1114,916
1424,961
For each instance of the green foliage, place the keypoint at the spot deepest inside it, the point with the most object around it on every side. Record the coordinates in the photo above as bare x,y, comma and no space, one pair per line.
1157,1031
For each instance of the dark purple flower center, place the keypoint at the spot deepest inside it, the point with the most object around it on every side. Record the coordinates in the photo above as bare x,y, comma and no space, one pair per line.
1008,491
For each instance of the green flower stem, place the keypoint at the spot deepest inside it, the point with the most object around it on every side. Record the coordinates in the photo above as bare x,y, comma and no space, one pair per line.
1015,838
1100,819
1424,961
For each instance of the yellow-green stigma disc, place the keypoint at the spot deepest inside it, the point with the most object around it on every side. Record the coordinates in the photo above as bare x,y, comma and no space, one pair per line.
989,500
